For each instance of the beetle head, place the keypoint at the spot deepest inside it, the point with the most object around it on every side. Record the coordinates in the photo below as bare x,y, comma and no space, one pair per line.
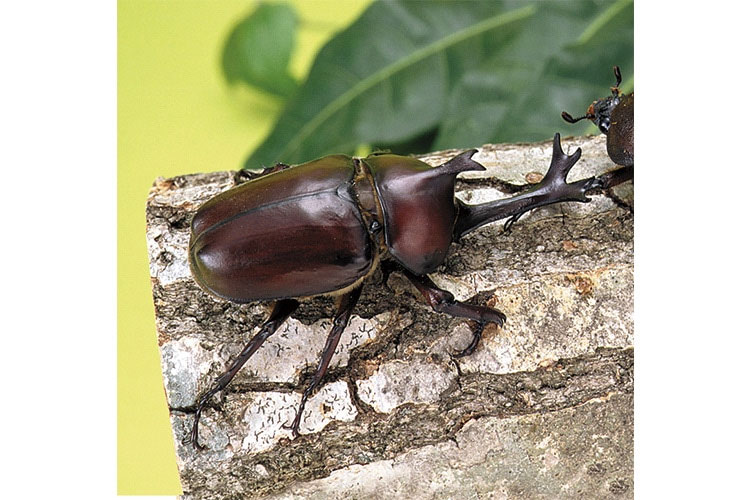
600,111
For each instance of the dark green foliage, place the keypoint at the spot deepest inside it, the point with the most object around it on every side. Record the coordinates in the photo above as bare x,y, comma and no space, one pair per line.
259,48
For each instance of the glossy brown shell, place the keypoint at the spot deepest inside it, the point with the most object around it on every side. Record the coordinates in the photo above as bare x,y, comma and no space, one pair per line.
293,233
620,135
419,207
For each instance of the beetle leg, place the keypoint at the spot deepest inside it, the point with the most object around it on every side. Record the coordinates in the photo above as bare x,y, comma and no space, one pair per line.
618,78
443,301
245,174
344,310
281,311
553,188
615,177
476,330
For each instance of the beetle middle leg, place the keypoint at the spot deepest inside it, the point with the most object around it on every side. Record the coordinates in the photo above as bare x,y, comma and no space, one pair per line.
282,309
443,301
346,303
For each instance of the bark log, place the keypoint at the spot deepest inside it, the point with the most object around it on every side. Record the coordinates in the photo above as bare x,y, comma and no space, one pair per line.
542,409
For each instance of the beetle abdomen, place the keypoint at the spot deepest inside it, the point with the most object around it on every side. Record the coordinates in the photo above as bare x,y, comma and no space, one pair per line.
293,233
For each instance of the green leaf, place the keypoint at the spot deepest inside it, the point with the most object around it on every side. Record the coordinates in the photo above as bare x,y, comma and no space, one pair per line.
573,67
259,47
432,75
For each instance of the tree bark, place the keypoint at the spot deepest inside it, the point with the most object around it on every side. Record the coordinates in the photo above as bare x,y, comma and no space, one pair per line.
542,409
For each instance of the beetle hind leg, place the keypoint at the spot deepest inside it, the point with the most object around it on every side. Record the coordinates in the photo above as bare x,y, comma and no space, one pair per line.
346,303
443,301
281,311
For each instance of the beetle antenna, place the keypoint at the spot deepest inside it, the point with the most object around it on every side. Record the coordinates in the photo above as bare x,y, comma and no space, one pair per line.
566,116
618,76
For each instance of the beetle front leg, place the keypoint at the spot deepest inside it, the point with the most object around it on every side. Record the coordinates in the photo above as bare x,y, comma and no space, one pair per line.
553,188
443,301
346,303
281,311
615,177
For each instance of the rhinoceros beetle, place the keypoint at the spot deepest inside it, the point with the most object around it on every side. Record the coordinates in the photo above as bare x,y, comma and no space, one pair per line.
323,227
614,115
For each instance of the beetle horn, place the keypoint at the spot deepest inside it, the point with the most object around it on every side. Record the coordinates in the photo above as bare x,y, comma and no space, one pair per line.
457,164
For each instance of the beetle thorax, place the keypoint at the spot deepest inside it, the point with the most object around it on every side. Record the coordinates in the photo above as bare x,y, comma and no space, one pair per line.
418,207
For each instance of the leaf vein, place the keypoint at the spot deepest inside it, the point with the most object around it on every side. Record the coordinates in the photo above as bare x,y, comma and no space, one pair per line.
388,71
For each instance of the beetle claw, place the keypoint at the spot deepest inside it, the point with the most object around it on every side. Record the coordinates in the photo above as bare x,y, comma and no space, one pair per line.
294,427
194,430
509,223
194,437
497,317
469,349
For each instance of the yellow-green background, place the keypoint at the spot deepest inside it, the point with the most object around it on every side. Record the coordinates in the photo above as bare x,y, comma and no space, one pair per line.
176,115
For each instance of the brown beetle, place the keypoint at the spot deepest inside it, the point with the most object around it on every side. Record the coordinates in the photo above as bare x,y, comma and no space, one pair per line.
321,228
614,115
